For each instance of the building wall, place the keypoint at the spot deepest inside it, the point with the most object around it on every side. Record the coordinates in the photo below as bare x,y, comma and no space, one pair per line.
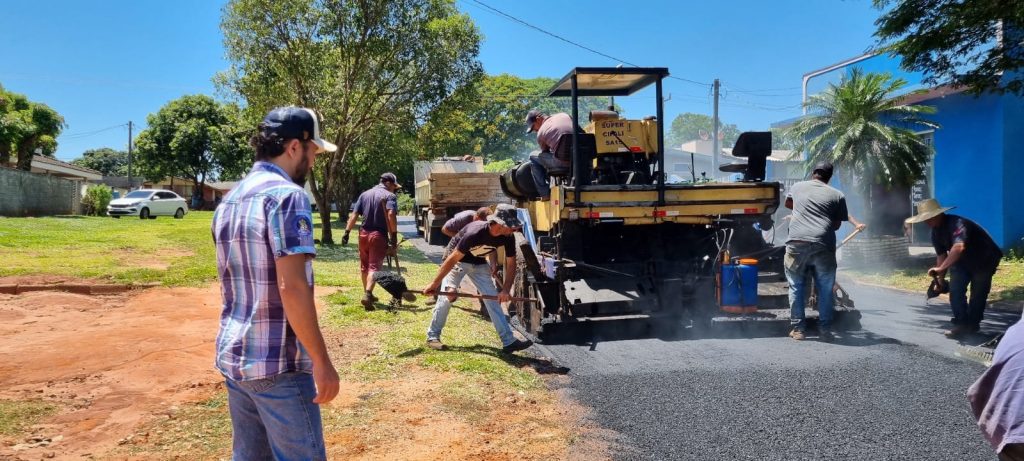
31,194
969,159
979,151
1013,171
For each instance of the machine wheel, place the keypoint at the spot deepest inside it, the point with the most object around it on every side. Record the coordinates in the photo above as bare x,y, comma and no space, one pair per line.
144,213
433,236
421,217
179,214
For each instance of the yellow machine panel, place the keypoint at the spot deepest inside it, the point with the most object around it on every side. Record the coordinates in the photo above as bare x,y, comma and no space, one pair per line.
691,204
619,135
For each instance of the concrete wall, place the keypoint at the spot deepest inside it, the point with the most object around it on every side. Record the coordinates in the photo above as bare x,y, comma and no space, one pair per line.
31,194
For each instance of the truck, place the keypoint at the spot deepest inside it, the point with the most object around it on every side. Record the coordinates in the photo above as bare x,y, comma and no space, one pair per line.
615,241
448,185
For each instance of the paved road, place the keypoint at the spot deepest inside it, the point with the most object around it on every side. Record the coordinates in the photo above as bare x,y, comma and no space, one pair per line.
893,390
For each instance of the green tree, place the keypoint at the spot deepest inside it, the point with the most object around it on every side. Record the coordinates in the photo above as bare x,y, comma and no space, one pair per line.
108,161
192,136
487,117
978,44
689,126
862,128
361,64
26,127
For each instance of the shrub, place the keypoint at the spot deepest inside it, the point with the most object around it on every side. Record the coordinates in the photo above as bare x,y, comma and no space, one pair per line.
96,199
406,203
501,166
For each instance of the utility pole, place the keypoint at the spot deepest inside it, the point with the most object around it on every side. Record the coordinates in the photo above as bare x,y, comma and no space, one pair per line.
130,184
716,147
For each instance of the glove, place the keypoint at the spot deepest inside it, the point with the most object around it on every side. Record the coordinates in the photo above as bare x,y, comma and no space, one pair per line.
344,239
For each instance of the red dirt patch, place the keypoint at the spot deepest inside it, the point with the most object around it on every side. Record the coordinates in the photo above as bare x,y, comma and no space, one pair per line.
114,365
107,362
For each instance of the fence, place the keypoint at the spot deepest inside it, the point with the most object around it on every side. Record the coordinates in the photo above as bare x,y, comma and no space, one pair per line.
31,194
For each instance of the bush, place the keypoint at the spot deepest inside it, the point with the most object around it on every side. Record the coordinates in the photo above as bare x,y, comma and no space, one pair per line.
501,166
96,199
406,203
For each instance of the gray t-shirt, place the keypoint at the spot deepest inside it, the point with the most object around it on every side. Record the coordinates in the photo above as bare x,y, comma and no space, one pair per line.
552,130
818,211
457,222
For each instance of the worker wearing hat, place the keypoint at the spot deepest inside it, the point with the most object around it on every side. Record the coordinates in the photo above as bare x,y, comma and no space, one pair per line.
471,246
818,211
970,256
378,235
549,133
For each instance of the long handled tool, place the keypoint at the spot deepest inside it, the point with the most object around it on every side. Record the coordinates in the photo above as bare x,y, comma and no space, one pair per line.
395,285
849,237
841,295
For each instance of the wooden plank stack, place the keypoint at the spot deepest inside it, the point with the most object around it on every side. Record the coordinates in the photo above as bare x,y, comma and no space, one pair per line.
460,189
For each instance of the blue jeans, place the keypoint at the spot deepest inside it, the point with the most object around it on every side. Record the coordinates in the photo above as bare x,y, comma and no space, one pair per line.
966,312
275,419
806,261
540,176
480,275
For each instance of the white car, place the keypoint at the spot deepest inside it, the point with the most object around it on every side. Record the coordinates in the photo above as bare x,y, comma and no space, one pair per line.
148,203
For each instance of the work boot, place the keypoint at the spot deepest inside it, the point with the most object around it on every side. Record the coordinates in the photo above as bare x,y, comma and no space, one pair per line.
367,301
797,335
826,336
516,345
957,331
436,344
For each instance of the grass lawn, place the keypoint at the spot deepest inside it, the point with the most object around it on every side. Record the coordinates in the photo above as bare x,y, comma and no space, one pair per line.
1007,285
176,252
375,350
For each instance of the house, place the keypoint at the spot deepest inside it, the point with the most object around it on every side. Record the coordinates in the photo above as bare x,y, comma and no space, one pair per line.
212,191
50,166
120,185
678,162
979,153
50,187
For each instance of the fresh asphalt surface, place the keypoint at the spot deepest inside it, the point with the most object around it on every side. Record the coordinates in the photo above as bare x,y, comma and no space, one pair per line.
891,390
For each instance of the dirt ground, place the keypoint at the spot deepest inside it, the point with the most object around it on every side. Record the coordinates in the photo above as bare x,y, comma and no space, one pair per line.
113,364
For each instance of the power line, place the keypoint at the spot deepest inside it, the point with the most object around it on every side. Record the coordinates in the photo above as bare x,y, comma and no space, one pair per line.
764,90
559,37
90,133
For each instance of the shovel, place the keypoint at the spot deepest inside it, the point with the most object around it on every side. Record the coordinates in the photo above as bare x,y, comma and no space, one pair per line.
395,285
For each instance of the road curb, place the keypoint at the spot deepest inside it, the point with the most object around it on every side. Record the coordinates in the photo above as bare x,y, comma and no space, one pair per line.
79,288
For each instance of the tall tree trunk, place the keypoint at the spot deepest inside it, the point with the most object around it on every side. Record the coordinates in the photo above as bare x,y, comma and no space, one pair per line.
25,153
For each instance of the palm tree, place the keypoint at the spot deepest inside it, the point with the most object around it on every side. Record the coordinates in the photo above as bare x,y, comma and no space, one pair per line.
864,129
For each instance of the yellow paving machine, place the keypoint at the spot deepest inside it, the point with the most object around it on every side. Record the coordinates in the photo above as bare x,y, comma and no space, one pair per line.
616,240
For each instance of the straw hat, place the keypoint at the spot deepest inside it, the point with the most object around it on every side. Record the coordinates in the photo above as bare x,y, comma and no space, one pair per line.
927,209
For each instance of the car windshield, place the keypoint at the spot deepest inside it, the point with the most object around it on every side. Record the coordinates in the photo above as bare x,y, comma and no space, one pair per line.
138,194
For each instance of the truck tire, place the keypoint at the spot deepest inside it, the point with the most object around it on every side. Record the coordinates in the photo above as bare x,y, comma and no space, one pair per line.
421,217
436,237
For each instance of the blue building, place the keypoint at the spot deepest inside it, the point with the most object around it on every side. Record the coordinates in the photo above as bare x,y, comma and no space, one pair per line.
979,149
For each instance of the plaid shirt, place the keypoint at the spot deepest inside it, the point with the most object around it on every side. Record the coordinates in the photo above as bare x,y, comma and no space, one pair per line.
266,216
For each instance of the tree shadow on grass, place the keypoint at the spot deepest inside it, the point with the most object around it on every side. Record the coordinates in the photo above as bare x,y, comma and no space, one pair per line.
542,365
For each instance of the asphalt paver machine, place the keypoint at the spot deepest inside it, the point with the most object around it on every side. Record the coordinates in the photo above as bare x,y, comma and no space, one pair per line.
616,241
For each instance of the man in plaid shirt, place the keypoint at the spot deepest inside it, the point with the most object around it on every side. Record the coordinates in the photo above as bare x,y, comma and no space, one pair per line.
269,347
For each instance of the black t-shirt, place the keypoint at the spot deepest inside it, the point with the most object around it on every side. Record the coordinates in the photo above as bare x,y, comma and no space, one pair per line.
981,254
475,242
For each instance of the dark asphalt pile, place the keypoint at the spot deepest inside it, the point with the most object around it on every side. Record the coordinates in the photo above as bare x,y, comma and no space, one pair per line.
773,398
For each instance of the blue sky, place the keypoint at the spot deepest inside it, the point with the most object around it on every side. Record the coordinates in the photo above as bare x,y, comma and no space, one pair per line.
101,64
